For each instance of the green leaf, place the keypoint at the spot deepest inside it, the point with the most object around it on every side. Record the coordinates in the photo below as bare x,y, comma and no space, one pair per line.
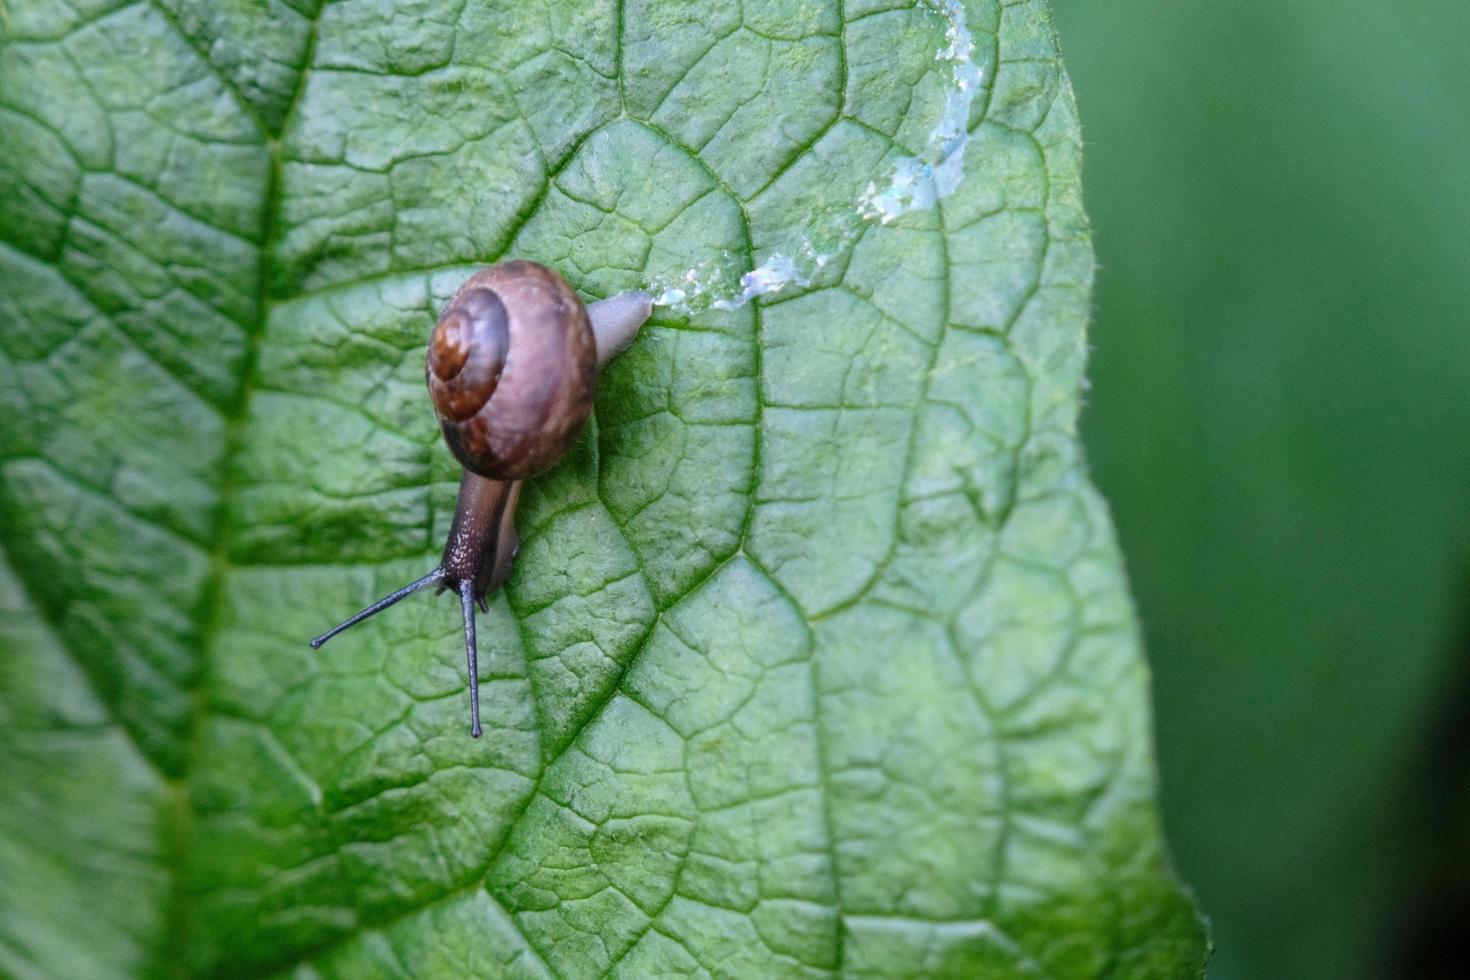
818,657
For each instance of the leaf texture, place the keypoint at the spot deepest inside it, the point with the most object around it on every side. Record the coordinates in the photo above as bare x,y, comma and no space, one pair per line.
818,659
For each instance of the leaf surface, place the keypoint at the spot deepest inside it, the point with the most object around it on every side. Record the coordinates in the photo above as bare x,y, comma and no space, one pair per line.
818,657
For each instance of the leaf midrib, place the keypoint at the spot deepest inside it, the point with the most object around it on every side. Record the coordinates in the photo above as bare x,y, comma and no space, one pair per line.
176,943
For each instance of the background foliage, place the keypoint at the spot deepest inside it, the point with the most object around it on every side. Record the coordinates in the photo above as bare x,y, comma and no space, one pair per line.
1280,417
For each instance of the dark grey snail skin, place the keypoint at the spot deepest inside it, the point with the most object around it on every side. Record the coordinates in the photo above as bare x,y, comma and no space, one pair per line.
512,368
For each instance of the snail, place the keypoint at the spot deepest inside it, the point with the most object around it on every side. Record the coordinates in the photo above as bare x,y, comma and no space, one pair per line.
512,366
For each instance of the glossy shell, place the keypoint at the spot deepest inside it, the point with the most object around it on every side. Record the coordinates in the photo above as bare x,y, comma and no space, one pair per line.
511,367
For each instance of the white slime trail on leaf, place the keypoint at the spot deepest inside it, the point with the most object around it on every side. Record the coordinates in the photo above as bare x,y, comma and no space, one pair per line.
917,182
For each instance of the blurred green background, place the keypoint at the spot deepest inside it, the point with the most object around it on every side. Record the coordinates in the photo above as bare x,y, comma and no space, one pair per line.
1280,416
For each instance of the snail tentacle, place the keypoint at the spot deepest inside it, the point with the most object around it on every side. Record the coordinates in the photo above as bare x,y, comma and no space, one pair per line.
433,578
471,652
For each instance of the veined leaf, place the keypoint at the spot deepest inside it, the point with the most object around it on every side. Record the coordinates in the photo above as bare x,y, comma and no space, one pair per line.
818,657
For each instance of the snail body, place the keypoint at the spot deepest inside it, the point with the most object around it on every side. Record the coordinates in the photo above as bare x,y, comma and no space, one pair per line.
511,369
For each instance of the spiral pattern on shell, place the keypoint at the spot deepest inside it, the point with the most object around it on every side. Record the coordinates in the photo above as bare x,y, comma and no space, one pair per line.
511,367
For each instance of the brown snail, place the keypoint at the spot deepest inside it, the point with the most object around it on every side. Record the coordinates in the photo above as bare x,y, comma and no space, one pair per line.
512,367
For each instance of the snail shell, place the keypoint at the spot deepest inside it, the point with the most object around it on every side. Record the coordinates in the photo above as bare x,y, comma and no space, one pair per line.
511,368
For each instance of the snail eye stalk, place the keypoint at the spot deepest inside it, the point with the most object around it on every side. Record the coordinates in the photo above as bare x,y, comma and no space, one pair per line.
471,653
467,601
388,600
